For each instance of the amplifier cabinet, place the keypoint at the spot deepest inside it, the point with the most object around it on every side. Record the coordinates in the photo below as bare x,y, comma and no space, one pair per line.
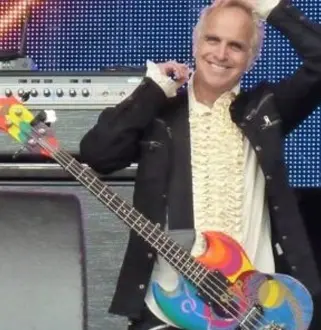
61,251
77,97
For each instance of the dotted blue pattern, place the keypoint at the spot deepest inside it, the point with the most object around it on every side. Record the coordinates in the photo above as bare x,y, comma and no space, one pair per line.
86,35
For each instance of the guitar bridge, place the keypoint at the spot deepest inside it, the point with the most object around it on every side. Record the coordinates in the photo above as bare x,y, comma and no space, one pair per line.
252,318
274,326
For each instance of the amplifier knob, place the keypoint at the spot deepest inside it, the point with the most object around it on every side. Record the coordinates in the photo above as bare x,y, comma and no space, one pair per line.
122,93
59,92
72,93
85,92
21,92
46,92
34,92
8,92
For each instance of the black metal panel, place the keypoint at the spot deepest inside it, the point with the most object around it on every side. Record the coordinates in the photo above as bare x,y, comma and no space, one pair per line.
69,129
40,253
105,241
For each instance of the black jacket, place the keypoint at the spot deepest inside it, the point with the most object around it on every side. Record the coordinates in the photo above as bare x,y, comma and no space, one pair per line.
153,130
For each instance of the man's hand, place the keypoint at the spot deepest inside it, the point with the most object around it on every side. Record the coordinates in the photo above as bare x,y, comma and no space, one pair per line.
178,71
249,3
261,7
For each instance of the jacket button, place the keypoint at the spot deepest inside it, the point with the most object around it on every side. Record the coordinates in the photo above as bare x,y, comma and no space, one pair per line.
284,237
276,208
258,148
141,286
293,268
130,323
149,255
268,177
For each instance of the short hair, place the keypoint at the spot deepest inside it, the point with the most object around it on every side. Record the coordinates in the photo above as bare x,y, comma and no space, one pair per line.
258,36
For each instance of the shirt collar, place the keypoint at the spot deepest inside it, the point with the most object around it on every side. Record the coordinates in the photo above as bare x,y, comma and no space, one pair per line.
192,99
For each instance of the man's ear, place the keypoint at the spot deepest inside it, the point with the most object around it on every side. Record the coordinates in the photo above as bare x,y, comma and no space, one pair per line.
194,48
250,63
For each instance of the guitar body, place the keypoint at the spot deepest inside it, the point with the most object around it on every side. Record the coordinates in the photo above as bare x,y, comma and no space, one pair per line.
286,304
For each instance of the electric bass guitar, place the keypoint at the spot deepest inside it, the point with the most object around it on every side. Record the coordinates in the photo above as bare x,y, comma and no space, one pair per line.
220,290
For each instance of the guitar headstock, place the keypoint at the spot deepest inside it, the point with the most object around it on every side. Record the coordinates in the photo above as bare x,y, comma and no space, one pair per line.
18,122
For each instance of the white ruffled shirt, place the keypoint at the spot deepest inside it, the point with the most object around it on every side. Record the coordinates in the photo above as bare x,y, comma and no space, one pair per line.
251,229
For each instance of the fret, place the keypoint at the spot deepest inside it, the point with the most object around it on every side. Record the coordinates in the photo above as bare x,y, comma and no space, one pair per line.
188,266
120,206
167,239
179,250
201,279
151,233
139,232
102,191
128,214
156,242
168,251
108,199
125,211
67,167
80,174
183,256
92,182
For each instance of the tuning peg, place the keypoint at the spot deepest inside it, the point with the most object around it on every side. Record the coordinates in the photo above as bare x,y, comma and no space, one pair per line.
18,152
42,131
18,112
9,123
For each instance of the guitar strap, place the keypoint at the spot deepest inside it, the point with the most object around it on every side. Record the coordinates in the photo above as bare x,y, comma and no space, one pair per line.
184,237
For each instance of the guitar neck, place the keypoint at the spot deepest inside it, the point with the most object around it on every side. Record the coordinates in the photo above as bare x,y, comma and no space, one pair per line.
165,246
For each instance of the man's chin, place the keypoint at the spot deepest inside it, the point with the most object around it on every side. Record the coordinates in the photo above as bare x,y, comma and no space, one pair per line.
217,85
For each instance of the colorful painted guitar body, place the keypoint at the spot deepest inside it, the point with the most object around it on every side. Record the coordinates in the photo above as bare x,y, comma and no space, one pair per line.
218,290
261,301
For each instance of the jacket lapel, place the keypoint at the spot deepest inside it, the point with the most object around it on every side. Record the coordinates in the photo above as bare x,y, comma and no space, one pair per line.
180,212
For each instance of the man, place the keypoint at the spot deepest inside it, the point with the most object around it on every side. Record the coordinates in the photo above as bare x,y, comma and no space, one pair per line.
211,157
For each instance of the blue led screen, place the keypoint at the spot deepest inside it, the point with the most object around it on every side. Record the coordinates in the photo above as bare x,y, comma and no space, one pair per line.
87,35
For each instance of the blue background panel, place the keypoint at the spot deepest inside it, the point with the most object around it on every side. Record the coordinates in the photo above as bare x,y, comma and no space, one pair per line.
87,35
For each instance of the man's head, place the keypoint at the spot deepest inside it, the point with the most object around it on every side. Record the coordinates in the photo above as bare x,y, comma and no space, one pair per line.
227,40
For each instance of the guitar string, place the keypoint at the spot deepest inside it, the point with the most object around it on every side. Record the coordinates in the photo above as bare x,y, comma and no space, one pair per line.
153,233
70,159
55,154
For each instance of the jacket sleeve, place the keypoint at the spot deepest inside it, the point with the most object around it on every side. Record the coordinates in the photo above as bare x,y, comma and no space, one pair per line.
298,95
113,143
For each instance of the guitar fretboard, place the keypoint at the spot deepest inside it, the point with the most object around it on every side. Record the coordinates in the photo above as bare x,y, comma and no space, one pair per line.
165,246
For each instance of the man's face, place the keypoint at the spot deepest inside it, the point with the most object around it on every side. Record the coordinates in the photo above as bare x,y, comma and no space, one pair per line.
223,49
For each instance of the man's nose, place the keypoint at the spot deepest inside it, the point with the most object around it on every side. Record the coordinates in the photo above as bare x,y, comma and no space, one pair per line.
222,52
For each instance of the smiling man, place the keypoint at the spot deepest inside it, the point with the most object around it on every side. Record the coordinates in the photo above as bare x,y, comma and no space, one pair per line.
211,156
